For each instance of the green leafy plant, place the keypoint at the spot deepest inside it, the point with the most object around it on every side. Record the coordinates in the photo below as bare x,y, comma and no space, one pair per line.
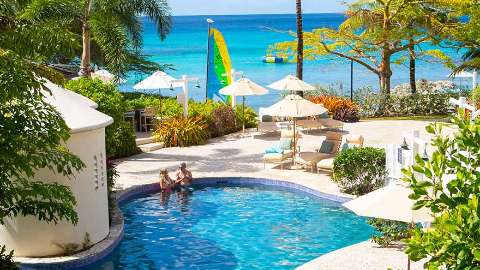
182,131
6,259
360,170
250,116
448,184
119,136
475,97
389,231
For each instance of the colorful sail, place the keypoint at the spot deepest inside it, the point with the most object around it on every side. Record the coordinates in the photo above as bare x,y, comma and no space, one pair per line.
219,65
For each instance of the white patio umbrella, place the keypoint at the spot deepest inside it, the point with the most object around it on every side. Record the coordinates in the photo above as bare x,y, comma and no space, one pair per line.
106,76
243,87
292,83
390,202
294,106
157,81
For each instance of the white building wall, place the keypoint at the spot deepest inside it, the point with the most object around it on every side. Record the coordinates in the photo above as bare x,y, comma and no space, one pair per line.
32,238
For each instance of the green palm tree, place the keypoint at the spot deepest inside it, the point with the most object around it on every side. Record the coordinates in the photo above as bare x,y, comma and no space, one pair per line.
114,30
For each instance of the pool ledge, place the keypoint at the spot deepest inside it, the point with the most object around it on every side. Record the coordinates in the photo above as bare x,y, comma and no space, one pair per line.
106,246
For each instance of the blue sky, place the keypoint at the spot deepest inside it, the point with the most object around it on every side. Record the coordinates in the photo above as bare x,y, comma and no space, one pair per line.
214,7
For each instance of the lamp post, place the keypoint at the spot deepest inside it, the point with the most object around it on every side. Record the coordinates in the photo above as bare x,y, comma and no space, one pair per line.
184,81
462,103
210,22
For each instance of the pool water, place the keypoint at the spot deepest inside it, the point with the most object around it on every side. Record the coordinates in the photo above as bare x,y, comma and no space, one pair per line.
232,228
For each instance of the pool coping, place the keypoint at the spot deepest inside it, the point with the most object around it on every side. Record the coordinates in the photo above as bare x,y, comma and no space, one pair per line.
103,248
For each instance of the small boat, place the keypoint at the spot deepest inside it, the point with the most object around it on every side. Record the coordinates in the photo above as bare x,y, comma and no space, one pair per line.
274,60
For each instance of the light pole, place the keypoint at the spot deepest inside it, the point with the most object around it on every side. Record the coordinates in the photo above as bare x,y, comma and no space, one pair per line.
210,22
184,81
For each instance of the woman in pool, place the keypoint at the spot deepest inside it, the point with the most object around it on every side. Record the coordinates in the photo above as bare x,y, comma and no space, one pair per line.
166,183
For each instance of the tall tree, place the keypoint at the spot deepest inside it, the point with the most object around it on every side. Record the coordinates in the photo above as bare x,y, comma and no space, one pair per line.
299,39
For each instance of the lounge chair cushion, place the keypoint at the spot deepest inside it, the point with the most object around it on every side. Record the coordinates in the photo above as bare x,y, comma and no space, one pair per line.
274,149
285,143
277,157
326,147
311,158
326,164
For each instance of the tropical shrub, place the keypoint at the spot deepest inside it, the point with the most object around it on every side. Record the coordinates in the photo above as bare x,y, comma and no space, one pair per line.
360,170
342,108
223,122
169,106
182,131
348,115
6,259
250,117
448,184
389,231
119,136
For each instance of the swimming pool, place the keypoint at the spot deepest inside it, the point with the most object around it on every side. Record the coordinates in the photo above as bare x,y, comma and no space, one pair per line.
231,227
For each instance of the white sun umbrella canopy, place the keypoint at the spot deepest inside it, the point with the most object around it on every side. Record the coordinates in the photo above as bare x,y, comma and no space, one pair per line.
294,106
292,83
243,87
106,76
390,202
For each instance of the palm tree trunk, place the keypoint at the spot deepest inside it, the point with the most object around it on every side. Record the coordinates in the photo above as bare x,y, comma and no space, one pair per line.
412,69
300,40
85,59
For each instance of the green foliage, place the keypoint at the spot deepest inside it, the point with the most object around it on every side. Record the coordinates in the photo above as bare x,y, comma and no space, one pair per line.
106,95
390,231
250,117
120,140
448,184
119,136
31,137
360,170
6,259
347,114
112,174
182,131
475,97
403,105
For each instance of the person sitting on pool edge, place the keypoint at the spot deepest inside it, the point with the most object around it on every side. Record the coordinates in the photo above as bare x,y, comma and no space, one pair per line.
166,183
184,176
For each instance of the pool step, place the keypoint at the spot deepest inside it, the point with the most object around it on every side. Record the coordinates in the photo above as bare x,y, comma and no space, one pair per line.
143,141
149,147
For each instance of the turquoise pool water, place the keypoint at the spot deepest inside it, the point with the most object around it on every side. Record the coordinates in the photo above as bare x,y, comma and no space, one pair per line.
231,227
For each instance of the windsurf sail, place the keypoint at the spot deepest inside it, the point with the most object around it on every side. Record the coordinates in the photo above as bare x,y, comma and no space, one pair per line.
219,65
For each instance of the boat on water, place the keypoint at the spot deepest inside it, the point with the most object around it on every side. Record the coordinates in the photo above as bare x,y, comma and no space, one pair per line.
274,60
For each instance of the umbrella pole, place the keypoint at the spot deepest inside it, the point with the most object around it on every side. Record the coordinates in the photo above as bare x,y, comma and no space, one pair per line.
294,139
243,114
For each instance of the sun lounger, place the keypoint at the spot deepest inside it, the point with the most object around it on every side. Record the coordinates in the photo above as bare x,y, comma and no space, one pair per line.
310,159
331,124
351,140
281,158
309,124
265,127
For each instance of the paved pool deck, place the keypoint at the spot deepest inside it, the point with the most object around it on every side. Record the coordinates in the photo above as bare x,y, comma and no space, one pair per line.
240,155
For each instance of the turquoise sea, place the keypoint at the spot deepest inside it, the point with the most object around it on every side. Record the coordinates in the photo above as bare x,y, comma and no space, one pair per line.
248,37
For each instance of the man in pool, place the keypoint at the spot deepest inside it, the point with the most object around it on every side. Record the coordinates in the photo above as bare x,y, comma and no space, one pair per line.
184,176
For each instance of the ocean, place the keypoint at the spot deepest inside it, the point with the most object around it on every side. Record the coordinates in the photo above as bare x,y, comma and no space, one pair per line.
248,37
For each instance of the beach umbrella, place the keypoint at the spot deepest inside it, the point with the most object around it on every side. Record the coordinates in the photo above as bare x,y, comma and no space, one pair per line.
157,81
294,106
292,83
106,76
243,87
392,203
